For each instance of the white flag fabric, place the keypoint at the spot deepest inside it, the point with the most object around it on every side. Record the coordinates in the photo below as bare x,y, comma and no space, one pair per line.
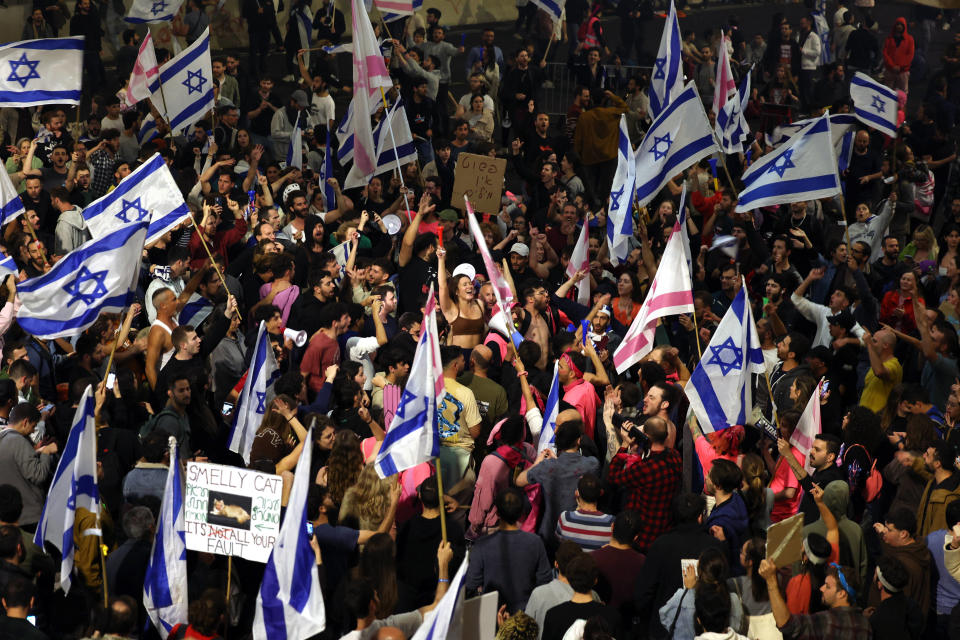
619,211
255,397
413,436
187,82
840,124
98,276
548,432
725,84
74,486
295,150
11,205
439,623
808,427
679,137
290,603
393,127
553,8
147,11
149,193
732,127
720,388
500,318
670,294
145,72
804,168
874,104
580,260
369,76
165,582
666,82
8,267
41,72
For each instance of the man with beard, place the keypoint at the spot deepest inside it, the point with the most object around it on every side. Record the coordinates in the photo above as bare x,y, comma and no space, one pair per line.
306,313
887,268
779,308
281,125
863,173
536,303
660,399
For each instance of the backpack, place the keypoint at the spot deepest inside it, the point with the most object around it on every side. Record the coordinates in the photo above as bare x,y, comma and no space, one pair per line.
874,480
531,491
152,421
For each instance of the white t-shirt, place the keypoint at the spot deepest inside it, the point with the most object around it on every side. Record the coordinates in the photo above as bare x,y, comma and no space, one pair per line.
107,123
487,102
322,111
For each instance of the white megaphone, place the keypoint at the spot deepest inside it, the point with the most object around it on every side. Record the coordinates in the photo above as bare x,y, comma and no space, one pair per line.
299,337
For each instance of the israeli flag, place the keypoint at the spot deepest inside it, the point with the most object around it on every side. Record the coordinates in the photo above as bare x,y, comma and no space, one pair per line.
413,436
666,82
333,49
342,253
148,194
548,432
152,11
874,104
74,486
840,124
195,311
304,18
394,143
326,172
553,8
165,582
619,212
822,29
679,137
148,129
804,168
290,603
732,126
345,137
295,151
11,205
41,72
187,82
256,395
720,388
8,267
392,17
99,276
439,623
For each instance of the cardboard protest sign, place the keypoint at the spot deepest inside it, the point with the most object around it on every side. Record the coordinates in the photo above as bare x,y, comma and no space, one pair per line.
480,178
785,541
231,511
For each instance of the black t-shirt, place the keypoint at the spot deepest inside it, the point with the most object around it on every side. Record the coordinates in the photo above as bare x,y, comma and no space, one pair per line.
417,542
261,124
560,617
420,116
415,280
821,478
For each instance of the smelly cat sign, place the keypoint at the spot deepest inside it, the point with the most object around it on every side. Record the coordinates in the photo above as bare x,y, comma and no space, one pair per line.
231,511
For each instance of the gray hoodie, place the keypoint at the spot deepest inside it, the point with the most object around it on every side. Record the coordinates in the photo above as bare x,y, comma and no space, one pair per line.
836,496
27,470
71,231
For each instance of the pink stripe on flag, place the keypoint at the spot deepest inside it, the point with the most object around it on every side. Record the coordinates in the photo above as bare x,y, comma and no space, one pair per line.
670,299
395,6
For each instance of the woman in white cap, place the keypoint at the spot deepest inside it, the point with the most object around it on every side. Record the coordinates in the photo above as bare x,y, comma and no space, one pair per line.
459,304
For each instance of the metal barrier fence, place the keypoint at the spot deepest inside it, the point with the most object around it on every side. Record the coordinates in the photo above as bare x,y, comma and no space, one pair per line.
560,84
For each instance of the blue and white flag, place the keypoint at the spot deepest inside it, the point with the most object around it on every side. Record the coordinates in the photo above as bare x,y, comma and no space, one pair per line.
99,276
74,486
720,389
147,194
840,124
304,19
295,150
804,168
679,137
413,436
333,49
187,82
553,8
732,126
342,253
290,603
822,29
148,129
165,582
437,624
548,432
325,173
345,137
11,204
151,11
255,397
391,16
8,267
43,71
874,104
666,81
195,311
681,226
392,128
845,151
620,211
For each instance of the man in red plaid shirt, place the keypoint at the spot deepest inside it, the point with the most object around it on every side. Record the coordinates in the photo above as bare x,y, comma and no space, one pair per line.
650,480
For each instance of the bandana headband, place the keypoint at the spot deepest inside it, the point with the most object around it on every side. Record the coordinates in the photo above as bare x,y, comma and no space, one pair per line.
576,370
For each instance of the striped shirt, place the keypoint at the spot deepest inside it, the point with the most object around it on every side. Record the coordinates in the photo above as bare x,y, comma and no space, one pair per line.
589,529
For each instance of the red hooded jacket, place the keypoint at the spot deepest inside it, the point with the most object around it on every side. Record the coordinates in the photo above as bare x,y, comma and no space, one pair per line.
898,55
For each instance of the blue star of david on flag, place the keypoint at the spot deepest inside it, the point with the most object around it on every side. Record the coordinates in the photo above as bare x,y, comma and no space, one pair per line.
15,70
615,198
661,70
132,206
878,104
658,152
194,82
782,164
727,363
158,7
261,402
76,286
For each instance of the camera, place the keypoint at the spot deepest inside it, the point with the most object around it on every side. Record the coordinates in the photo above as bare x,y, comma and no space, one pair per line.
639,437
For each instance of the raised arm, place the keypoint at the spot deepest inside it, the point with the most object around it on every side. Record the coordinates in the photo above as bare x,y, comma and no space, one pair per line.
410,235
781,613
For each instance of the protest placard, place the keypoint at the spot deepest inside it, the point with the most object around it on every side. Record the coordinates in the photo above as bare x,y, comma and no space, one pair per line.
480,178
231,511
785,541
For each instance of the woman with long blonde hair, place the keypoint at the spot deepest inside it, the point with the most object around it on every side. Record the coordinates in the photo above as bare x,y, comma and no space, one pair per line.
366,503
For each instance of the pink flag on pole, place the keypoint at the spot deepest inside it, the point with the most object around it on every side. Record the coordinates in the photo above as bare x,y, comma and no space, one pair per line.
500,318
725,84
808,427
580,259
369,75
395,6
669,295
144,72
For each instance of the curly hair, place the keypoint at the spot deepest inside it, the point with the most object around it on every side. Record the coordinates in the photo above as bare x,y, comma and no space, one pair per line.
863,428
519,626
343,468
367,500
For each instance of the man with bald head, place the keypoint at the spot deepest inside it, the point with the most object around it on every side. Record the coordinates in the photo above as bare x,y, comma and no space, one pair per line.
863,174
491,397
390,633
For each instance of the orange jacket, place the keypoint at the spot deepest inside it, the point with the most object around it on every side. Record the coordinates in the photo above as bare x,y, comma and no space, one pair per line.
898,55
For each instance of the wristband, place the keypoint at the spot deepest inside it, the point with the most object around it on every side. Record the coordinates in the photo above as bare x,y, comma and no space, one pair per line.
443,580
523,373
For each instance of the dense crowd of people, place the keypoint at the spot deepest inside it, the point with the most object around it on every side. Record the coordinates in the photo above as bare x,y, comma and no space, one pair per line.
634,523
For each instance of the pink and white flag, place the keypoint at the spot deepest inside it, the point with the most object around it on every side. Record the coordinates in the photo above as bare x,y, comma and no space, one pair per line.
580,260
500,318
369,75
725,84
145,72
394,6
808,427
669,295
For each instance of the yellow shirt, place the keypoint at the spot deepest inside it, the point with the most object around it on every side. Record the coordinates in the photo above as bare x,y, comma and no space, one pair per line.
876,390
456,413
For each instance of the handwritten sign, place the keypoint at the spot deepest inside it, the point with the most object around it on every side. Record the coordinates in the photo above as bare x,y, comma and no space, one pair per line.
480,178
231,511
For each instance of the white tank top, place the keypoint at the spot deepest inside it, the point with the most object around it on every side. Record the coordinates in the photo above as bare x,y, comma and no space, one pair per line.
165,358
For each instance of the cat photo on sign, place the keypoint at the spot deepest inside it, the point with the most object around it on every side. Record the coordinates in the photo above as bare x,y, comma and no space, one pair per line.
229,510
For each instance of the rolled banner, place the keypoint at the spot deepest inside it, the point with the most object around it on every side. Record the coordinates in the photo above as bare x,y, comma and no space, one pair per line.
299,337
